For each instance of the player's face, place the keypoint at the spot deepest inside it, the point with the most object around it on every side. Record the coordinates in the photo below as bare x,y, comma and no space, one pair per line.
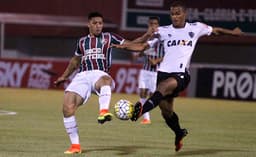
153,23
95,26
178,16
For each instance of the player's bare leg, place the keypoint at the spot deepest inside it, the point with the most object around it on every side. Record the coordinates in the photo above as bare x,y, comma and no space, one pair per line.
71,102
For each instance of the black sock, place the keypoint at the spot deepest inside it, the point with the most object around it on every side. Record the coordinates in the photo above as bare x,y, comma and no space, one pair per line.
173,122
152,102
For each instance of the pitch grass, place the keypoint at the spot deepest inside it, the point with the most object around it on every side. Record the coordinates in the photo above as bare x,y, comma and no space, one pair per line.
217,128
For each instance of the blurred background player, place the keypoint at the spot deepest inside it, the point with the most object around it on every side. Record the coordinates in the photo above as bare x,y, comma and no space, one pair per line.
179,40
147,77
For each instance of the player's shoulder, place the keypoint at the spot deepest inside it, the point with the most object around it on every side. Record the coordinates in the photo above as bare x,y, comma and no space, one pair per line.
112,34
116,36
82,38
196,24
164,27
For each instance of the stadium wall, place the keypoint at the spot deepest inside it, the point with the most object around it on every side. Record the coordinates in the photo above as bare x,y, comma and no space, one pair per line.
233,82
207,81
40,74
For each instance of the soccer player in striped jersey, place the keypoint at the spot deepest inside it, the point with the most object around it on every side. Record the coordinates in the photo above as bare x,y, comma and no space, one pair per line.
179,40
147,77
93,57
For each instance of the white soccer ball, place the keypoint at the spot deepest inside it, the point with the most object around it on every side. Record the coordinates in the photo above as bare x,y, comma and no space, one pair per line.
123,109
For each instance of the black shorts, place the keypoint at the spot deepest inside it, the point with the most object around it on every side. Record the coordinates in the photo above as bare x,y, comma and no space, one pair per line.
183,79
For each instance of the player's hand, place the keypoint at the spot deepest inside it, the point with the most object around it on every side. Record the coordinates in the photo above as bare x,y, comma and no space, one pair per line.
59,81
152,61
237,31
150,31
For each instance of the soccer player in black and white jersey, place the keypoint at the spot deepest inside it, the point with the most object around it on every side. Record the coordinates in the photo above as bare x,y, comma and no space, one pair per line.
179,40
93,57
148,74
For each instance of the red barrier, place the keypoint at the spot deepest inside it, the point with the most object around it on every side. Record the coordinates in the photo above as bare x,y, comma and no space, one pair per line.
126,77
41,74
27,73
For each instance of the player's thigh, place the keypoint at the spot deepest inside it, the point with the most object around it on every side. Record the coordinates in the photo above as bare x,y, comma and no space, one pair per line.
167,86
104,80
79,90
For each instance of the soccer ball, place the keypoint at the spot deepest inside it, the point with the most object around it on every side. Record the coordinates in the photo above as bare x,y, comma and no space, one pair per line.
123,109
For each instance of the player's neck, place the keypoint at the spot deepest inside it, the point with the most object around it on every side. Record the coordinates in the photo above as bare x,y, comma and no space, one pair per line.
94,35
180,26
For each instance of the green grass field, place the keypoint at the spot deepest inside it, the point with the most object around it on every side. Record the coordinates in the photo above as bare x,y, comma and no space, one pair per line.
216,128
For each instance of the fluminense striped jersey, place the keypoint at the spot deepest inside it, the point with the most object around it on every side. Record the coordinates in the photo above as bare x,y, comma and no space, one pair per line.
152,53
96,51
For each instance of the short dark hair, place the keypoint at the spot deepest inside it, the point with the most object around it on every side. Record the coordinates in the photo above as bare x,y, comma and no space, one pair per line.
179,3
94,14
154,18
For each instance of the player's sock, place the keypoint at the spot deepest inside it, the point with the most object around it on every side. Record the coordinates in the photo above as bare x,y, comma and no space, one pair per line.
104,98
145,115
173,122
152,102
72,129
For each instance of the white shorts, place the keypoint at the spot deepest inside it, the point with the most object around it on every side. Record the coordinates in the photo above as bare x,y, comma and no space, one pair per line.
147,80
84,83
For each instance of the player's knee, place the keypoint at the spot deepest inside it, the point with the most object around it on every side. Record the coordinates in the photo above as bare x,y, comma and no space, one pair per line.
106,80
68,109
163,88
103,81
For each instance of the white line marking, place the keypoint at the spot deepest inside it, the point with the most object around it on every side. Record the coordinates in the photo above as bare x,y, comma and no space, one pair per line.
3,112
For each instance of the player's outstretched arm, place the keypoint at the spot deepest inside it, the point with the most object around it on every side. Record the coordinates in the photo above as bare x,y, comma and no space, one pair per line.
236,31
138,47
146,36
72,66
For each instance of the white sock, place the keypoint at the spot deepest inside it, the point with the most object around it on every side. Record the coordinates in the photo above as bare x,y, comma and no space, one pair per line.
145,115
71,129
105,97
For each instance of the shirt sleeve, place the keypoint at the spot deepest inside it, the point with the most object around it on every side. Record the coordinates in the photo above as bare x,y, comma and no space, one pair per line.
116,39
78,51
152,42
204,29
